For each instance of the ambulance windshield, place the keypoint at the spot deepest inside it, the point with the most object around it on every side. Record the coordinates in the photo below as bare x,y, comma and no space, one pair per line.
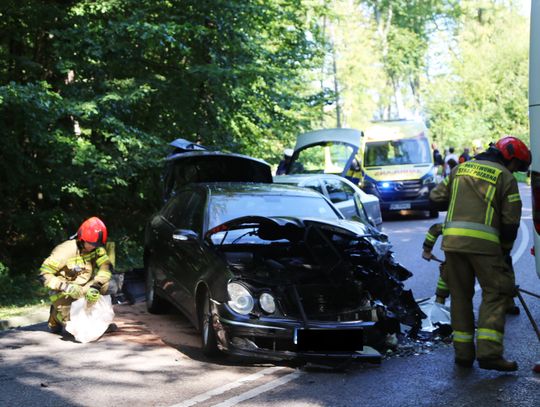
397,152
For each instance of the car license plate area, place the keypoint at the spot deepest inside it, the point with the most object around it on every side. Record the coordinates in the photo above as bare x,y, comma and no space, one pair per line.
330,340
400,206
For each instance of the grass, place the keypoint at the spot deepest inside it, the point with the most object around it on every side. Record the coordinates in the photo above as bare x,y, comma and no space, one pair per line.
20,294
17,311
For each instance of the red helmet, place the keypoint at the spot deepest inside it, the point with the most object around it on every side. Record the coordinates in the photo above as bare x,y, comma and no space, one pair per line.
512,147
93,231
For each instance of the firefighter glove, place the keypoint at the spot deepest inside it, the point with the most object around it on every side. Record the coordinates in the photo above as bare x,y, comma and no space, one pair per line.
74,291
92,295
426,255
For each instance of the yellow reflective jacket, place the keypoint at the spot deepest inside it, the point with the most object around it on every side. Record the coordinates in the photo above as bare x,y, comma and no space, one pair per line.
66,264
484,208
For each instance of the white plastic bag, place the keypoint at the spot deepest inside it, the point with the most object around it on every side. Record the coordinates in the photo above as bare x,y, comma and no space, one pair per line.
88,323
437,314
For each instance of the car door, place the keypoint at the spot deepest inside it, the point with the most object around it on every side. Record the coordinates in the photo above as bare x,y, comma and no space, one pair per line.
189,250
165,254
341,195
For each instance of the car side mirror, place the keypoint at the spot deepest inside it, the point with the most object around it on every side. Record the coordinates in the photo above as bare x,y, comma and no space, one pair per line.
185,235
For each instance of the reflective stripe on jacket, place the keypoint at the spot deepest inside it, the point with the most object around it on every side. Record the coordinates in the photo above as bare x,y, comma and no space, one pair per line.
483,196
432,235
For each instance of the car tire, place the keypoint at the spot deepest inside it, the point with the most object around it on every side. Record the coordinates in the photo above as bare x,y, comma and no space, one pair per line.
154,303
208,334
433,214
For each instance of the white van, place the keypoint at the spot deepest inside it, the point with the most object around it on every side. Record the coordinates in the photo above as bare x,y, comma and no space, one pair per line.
534,117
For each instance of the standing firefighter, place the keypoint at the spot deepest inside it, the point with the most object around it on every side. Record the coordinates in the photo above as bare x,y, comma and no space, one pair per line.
484,210
76,268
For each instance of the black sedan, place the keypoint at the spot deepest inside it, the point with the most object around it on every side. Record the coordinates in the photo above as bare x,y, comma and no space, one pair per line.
273,271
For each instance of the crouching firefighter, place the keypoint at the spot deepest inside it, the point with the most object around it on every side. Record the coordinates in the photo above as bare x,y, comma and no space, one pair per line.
79,267
484,211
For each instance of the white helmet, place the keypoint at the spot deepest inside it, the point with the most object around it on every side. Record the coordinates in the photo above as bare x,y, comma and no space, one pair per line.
288,152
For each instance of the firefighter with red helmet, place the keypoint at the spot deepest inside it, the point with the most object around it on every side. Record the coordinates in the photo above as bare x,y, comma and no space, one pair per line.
77,268
484,211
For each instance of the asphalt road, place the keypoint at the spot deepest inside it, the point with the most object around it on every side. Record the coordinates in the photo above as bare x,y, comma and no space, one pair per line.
155,360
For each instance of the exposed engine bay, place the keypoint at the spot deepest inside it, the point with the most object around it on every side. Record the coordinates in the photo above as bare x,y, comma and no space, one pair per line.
320,271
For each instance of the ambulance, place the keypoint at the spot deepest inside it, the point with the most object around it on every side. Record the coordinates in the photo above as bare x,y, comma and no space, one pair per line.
397,165
534,119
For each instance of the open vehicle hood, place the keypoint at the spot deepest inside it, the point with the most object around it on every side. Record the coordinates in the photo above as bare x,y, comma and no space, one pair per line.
348,136
188,166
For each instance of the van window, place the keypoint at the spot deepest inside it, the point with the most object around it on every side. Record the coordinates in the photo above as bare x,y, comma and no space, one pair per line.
397,152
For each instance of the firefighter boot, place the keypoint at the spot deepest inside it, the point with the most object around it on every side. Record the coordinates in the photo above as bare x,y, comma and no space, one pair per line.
440,300
467,363
512,308
54,326
501,364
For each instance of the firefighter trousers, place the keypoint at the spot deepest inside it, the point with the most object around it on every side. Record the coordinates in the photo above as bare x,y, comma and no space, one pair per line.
498,286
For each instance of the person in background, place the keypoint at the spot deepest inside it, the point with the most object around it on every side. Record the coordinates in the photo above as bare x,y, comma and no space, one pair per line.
450,161
437,157
79,267
283,165
464,155
438,160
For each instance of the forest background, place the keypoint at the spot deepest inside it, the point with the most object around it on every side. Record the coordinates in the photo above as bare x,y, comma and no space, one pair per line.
92,92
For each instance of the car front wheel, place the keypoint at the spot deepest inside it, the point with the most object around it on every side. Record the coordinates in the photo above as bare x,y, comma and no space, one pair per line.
154,303
208,334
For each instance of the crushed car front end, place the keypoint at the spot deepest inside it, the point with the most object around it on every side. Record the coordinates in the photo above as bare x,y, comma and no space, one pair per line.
308,289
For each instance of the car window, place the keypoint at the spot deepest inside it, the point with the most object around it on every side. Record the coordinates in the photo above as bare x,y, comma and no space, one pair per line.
192,217
315,185
223,208
176,206
338,191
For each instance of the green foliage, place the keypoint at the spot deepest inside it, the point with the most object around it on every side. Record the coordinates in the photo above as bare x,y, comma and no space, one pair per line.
92,92
484,95
19,290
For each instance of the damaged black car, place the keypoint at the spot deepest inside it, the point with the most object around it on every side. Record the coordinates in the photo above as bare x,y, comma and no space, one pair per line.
272,271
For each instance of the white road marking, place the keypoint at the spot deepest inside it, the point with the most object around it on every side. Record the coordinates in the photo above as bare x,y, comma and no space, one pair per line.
259,390
523,244
229,386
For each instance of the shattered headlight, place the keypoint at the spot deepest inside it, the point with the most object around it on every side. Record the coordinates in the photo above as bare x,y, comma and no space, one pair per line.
381,247
241,300
267,303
